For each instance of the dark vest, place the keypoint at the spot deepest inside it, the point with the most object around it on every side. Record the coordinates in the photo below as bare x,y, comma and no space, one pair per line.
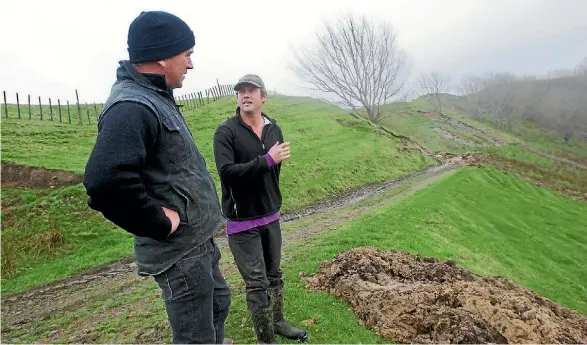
175,176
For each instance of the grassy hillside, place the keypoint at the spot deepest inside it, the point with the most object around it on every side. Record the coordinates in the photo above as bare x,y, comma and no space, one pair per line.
454,132
330,154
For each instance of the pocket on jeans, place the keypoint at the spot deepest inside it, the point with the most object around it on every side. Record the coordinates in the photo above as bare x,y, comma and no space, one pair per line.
197,252
165,283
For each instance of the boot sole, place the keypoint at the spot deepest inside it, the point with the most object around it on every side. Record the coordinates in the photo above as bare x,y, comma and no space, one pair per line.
301,340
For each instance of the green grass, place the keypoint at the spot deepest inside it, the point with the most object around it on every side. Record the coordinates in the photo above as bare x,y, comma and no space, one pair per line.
488,221
330,154
556,175
52,234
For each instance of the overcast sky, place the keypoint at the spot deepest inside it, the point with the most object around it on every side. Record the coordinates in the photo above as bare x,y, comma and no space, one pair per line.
50,48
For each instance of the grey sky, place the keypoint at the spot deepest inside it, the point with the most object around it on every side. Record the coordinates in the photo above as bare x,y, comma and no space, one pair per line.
50,48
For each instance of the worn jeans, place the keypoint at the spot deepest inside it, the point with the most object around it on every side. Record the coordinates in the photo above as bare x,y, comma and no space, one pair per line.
197,298
257,254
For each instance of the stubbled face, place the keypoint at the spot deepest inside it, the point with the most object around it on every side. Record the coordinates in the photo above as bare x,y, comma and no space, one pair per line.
250,99
176,67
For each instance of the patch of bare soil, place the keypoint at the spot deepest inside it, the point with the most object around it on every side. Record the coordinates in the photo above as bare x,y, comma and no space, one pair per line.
476,131
413,299
24,176
462,159
450,136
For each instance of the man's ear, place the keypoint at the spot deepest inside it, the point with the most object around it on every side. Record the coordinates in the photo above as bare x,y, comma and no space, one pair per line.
162,63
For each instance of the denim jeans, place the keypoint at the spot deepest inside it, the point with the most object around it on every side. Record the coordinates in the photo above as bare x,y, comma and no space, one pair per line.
197,298
257,254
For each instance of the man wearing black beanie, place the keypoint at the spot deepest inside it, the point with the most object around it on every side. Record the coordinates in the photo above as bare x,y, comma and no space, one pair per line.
146,175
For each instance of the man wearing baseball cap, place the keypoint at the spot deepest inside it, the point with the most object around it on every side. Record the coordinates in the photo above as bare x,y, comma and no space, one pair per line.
146,175
249,149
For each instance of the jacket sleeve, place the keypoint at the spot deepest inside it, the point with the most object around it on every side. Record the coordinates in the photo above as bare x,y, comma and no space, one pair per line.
229,171
126,134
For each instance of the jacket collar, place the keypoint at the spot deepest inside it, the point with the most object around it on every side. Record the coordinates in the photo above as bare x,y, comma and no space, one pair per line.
240,118
153,81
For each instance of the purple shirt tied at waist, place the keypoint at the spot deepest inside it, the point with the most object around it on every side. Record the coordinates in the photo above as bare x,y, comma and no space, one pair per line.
234,226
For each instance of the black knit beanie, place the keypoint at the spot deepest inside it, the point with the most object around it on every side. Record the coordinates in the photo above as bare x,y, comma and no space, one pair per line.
158,35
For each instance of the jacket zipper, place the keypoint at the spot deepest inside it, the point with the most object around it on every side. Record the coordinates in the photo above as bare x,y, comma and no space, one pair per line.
263,133
233,200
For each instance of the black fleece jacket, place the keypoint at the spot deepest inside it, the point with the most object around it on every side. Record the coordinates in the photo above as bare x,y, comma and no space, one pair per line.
250,183
127,133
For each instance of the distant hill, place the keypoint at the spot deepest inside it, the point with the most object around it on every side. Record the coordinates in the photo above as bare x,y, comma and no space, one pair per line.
557,104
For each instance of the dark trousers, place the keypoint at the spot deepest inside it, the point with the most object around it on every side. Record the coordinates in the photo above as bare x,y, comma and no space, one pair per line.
257,254
197,298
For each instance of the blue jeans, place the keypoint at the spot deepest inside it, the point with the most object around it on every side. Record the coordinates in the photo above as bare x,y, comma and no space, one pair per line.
197,298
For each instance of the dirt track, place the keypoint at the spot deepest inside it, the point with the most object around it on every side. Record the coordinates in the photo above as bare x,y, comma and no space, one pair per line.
412,299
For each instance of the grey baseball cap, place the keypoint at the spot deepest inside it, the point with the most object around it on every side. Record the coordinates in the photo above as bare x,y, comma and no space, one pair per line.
251,79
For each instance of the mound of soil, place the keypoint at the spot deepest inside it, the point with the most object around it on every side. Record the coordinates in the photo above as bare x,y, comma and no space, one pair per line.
24,176
412,299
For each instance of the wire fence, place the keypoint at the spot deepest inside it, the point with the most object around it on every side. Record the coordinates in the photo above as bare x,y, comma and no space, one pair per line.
78,112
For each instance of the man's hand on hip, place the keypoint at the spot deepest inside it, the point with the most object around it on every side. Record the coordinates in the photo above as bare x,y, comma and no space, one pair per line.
173,217
280,152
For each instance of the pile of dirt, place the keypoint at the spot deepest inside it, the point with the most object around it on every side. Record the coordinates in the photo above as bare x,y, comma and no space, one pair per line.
412,299
24,176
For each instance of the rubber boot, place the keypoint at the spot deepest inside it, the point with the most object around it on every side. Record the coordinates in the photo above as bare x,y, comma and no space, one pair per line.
282,327
263,325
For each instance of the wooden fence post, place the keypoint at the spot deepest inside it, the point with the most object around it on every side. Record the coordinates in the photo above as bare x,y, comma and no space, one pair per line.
68,113
17,106
5,105
59,108
88,112
50,109
30,112
40,108
79,112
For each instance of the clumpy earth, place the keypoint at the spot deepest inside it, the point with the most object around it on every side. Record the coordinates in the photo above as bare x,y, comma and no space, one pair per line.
413,299
23,176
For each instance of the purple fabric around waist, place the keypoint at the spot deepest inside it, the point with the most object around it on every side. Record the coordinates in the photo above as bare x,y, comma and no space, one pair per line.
234,227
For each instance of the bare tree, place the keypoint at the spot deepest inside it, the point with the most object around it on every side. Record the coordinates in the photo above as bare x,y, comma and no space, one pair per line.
563,112
581,67
495,96
357,61
434,85
471,84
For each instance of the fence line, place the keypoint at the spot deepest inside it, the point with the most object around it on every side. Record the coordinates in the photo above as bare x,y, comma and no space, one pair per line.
185,102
